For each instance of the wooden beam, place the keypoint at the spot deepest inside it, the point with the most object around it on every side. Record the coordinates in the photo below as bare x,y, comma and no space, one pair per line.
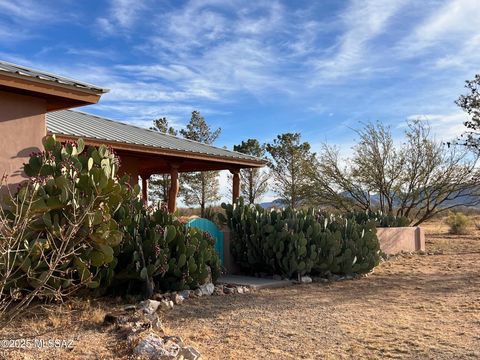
174,187
145,189
49,88
236,184
223,162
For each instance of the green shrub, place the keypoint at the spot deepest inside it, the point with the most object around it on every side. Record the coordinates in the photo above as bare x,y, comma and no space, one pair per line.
295,243
74,224
458,223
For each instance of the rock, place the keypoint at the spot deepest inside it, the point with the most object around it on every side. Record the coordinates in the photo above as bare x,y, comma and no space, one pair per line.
115,319
177,299
149,306
218,290
198,292
207,289
305,279
209,276
240,289
276,277
158,297
246,289
166,304
186,294
154,347
189,353
334,277
229,290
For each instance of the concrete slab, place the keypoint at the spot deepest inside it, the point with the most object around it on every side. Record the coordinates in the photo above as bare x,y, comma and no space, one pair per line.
253,282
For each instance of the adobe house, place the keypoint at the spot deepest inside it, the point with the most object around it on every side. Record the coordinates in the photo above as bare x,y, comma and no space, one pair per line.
34,103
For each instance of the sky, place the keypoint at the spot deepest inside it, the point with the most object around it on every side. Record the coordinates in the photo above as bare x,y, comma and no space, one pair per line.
258,68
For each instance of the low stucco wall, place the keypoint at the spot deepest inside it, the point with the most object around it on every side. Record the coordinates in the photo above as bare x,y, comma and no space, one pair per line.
22,127
397,239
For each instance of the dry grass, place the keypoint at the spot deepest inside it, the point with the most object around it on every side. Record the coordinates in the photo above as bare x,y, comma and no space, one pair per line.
414,307
79,321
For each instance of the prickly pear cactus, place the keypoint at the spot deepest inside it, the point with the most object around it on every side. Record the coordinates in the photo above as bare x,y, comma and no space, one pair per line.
297,242
75,207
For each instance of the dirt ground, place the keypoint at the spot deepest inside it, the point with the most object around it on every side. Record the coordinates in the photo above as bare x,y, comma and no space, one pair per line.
411,307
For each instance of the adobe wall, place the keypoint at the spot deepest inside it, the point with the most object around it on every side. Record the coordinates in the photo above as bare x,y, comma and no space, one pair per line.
397,239
22,127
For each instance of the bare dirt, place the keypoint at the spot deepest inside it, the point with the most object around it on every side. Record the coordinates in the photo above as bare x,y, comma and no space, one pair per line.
411,307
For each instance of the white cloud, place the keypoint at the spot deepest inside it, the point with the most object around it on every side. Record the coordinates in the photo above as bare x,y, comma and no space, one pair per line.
30,10
450,24
445,127
122,15
363,21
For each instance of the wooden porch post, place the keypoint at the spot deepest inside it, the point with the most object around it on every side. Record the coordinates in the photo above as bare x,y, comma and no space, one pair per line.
173,192
145,189
236,184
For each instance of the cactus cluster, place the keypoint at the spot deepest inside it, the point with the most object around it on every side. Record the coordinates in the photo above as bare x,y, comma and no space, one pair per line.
163,253
379,218
293,243
74,224
73,200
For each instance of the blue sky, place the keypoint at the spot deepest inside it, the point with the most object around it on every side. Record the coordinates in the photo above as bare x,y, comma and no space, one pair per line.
258,68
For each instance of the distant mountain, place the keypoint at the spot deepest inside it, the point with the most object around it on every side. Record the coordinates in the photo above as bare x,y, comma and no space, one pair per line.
281,204
277,203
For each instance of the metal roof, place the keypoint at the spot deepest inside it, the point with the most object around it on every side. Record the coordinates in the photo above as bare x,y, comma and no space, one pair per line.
45,76
79,124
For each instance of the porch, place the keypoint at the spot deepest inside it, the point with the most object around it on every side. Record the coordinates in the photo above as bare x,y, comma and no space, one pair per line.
144,152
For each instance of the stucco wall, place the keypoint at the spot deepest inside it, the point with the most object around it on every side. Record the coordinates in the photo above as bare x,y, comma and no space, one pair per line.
22,127
397,239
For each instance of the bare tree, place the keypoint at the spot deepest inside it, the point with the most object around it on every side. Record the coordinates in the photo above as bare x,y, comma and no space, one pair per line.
418,179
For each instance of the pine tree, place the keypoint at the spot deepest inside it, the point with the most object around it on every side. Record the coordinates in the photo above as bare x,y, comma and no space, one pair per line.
290,162
254,181
200,188
159,185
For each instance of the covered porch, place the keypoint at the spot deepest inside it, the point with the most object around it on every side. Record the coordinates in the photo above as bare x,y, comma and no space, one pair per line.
144,152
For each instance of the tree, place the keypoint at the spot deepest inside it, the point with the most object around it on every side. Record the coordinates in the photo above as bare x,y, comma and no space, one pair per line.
417,179
159,185
289,165
200,188
162,125
254,181
470,103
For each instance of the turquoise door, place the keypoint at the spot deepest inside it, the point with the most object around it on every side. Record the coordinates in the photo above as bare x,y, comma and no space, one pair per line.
212,229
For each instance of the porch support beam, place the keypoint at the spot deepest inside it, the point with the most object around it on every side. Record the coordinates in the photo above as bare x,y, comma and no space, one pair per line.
145,180
236,184
174,187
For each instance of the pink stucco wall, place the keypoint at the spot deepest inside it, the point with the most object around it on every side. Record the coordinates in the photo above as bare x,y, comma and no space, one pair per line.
397,239
22,127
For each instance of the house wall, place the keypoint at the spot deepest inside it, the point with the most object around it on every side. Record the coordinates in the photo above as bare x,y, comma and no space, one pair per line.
22,127
397,239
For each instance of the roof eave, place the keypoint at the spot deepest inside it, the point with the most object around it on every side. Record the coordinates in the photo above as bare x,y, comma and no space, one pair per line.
233,162
57,95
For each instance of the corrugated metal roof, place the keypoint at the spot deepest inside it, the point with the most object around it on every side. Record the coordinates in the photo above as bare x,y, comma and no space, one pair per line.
42,75
79,124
